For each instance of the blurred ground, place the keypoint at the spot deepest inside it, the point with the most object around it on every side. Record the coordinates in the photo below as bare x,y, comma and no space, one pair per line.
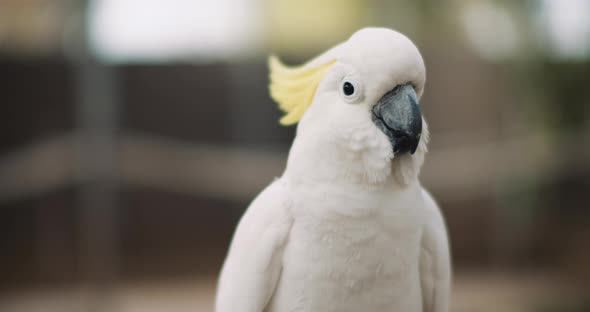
473,291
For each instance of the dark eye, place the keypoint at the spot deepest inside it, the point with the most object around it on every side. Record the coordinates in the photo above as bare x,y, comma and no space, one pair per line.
348,88
352,91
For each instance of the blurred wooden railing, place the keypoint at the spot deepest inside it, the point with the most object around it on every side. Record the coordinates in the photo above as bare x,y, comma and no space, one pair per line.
454,172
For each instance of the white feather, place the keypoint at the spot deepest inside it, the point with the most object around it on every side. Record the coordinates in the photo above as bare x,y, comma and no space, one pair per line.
348,226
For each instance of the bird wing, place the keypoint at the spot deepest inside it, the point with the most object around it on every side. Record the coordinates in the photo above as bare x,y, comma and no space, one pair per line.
435,263
253,265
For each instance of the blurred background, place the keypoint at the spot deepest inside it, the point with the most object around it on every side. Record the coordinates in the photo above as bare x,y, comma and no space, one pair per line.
134,133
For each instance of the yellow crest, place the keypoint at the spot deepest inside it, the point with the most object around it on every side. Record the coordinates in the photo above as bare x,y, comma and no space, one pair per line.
293,88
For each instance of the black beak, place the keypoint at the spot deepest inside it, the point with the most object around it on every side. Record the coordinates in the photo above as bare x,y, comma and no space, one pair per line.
398,115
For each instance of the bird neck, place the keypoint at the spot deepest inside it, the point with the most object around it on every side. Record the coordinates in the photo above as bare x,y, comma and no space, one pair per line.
351,160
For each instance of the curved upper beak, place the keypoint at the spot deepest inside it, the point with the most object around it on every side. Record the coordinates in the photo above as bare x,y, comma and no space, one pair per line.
398,115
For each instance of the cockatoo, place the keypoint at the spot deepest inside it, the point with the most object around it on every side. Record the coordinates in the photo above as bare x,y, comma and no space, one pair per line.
347,227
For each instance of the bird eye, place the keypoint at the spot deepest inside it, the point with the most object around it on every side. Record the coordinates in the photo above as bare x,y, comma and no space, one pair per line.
351,90
348,88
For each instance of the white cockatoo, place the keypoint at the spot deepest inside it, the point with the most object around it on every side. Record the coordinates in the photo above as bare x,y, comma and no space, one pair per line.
347,227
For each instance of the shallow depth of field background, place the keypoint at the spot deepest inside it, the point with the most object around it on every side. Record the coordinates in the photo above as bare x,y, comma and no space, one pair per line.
134,133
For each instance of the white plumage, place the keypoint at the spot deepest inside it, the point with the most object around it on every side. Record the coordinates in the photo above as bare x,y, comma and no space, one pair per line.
347,227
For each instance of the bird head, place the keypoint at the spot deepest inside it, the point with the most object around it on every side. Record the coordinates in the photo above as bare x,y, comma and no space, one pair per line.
357,106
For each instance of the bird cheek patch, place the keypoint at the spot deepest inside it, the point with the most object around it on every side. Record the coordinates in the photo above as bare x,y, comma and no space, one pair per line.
293,88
